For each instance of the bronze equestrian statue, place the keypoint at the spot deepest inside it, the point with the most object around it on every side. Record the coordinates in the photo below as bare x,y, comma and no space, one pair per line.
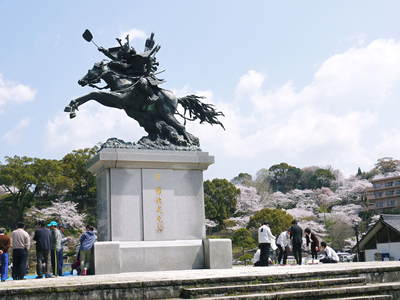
133,85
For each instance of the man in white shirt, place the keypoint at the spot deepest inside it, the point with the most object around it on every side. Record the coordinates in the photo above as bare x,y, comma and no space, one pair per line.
265,238
282,243
330,254
20,242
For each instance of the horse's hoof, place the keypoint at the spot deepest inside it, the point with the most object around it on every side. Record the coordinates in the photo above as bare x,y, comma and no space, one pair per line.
67,109
72,115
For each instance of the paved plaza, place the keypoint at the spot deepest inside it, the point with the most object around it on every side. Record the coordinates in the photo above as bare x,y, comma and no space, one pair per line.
191,274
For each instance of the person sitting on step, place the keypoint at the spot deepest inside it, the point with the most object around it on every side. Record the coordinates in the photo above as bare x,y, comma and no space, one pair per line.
330,254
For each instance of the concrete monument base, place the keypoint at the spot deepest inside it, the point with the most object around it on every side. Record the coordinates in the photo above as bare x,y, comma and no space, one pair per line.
150,210
120,257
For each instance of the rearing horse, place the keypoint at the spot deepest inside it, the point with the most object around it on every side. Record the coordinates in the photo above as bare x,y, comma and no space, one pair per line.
156,117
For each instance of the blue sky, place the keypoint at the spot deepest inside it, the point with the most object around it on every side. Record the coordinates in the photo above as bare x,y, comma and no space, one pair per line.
306,82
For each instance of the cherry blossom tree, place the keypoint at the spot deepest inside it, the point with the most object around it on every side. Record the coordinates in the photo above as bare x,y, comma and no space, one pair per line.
65,213
248,201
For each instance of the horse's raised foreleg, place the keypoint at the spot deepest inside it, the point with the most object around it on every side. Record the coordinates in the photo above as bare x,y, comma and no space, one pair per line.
107,99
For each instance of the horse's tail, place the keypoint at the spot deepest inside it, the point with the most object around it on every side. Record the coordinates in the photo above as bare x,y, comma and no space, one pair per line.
199,110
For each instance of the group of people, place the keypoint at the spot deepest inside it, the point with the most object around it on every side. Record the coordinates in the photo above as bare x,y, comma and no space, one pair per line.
291,240
50,241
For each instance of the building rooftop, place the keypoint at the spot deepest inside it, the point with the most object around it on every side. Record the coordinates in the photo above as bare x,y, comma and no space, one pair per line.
392,220
386,178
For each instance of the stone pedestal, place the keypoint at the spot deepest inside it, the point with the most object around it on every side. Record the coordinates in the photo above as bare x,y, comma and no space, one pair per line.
150,210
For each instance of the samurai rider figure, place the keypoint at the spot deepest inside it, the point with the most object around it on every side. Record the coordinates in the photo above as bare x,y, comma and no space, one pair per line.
140,67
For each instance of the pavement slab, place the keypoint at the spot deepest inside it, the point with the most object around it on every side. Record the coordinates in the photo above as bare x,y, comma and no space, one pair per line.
183,275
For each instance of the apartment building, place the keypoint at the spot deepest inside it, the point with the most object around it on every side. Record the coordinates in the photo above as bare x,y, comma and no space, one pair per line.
384,194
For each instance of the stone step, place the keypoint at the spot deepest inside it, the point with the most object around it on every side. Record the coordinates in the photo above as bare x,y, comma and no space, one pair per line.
247,279
373,297
318,294
251,275
221,290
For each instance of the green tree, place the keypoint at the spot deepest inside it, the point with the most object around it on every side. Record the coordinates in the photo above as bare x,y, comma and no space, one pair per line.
17,179
31,181
359,172
220,198
278,219
262,182
246,258
387,165
243,179
322,178
49,181
83,189
284,177
315,178
306,177
370,174
244,239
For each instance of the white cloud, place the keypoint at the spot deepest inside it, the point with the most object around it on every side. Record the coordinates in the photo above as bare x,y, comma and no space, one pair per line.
14,135
14,92
340,118
363,75
388,144
134,33
249,83
93,123
327,122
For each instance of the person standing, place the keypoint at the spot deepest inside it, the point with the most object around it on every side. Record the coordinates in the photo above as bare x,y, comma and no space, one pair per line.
312,239
296,235
64,241
330,254
87,241
5,243
282,243
265,238
56,249
20,242
42,237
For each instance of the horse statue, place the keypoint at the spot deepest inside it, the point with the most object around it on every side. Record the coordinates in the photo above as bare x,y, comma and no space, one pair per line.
154,108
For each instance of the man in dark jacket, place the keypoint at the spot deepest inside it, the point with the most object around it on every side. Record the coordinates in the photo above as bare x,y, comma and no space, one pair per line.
296,235
312,239
42,239
87,241
5,243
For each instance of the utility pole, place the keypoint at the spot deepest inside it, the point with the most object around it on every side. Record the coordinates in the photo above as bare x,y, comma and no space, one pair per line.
355,227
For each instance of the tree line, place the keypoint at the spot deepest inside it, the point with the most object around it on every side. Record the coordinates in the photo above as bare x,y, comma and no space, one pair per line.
26,182
220,195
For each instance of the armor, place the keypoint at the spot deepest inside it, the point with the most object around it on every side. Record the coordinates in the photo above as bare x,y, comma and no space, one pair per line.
139,66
